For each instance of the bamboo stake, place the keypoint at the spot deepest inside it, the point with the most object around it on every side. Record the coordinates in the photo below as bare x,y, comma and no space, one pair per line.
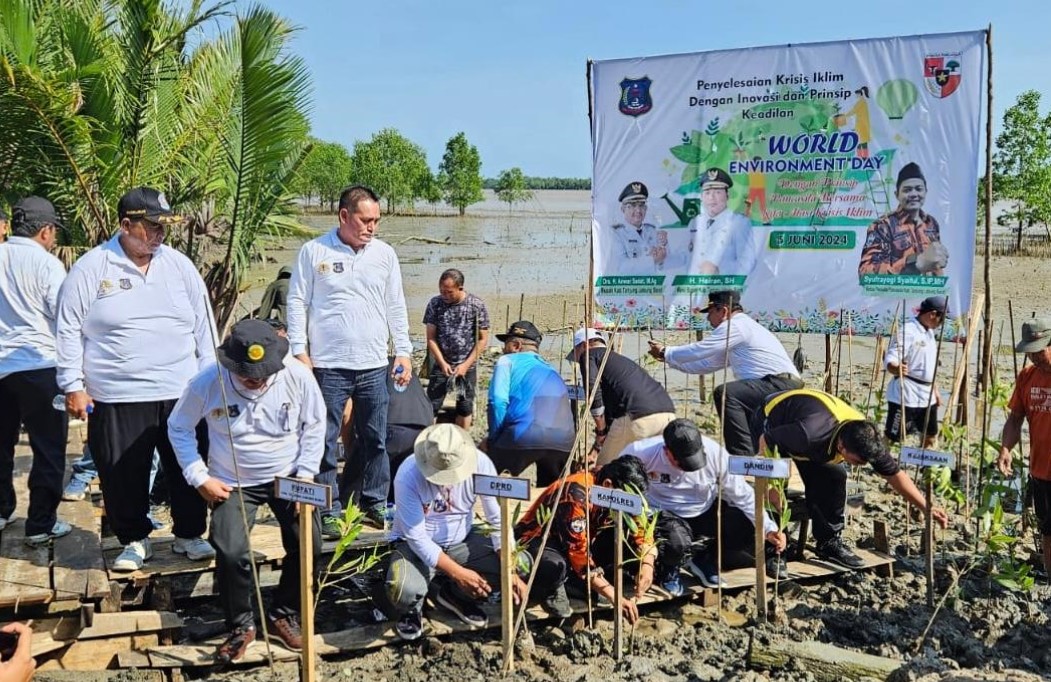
521,306
987,271
828,363
850,357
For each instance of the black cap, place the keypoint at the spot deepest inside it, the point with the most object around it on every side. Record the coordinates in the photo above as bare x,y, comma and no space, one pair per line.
716,178
939,303
148,203
523,329
634,190
732,299
253,350
32,212
909,171
683,439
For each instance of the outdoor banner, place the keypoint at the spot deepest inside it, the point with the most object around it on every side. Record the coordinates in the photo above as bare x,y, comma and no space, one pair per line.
829,182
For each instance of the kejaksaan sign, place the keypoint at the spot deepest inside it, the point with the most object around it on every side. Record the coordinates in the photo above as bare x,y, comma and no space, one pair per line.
502,486
763,467
816,178
617,500
927,458
306,492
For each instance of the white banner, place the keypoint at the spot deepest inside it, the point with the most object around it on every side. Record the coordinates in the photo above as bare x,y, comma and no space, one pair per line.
829,182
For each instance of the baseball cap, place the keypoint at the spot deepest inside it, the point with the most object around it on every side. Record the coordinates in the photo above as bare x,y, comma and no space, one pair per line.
148,203
1036,335
523,329
583,334
731,299
931,303
683,439
34,211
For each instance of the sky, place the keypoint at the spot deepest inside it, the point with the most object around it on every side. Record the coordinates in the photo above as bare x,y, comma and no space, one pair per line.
512,75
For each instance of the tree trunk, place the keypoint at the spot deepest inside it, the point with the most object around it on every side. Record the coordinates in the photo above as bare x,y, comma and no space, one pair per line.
463,209
1018,243
827,663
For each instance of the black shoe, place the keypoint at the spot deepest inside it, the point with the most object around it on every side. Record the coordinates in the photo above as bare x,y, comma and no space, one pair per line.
235,645
835,551
557,603
410,626
330,529
776,567
377,517
465,609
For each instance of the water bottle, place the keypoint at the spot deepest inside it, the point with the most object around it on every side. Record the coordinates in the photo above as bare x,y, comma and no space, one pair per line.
59,403
398,371
388,516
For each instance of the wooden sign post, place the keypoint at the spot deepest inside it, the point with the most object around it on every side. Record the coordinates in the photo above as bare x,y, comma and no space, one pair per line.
309,495
505,489
619,502
928,458
761,468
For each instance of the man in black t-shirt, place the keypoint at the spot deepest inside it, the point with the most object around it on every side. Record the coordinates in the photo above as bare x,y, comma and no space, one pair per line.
630,405
821,433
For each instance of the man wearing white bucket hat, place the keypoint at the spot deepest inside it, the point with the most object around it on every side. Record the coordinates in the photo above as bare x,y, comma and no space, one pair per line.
629,404
434,497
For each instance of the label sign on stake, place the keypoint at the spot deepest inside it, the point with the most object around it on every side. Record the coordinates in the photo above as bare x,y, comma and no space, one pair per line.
761,467
305,492
617,500
502,486
927,458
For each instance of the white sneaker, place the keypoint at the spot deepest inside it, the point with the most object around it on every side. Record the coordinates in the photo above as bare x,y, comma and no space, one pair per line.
4,523
195,549
134,555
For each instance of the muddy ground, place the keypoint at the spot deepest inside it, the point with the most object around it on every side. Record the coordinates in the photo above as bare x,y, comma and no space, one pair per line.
980,632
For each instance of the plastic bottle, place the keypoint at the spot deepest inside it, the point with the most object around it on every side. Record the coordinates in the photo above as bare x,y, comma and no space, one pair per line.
388,516
59,403
398,371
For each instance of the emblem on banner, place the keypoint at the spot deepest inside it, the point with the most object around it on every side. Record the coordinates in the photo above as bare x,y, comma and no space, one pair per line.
941,74
635,97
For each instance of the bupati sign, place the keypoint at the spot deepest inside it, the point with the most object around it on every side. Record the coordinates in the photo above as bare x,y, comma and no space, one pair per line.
827,182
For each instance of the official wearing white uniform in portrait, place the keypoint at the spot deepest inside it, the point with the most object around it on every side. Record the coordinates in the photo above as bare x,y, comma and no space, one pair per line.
724,243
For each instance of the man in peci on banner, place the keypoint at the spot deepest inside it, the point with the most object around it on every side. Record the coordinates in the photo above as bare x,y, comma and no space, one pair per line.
638,246
723,243
906,241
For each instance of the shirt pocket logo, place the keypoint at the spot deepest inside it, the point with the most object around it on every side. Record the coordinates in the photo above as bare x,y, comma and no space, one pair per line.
125,283
337,267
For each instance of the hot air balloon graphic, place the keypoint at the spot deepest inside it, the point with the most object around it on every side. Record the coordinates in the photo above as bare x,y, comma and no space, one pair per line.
896,97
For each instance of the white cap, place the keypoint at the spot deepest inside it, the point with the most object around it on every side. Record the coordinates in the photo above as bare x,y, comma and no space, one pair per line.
584,334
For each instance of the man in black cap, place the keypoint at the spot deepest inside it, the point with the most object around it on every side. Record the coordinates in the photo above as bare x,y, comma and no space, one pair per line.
685,471
530,419
821,433
911,360
907,241
639,246
760,364
134,326
30,278
722,240
263,409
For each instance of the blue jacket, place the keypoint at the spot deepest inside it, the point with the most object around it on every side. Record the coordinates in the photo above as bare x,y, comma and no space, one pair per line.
529,405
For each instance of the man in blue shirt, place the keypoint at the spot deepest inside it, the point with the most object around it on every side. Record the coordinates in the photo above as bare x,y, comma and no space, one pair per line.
530,419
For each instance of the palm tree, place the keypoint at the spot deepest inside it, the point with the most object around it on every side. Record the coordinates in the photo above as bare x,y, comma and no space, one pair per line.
98,96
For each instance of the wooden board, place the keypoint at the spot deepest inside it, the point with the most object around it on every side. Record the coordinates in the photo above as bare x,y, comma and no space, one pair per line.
25,572
78,569
97,654
129,623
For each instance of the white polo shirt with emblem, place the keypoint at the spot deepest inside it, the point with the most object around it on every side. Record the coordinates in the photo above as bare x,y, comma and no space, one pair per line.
920,356
30,278
345,304
691,493
126,336
754,352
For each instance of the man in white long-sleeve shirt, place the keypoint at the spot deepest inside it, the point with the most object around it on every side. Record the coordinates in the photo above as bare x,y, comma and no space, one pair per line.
911,361
273,412
134,326
30,278
685,471
345,301
758,360
434,497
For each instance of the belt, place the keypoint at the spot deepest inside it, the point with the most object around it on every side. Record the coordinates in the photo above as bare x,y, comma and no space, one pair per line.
783,375
921,382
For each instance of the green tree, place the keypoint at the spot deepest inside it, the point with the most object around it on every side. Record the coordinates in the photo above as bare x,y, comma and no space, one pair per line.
392,165
511,187
98,97
431,191
462,167
325,171
1022,163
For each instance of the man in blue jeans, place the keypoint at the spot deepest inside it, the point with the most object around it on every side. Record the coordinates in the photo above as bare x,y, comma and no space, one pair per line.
345,302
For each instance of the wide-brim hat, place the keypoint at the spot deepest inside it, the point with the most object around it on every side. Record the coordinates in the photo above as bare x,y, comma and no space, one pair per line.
1036,335
445,454
253,350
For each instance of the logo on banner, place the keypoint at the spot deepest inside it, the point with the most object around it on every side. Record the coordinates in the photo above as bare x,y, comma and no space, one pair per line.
635,97
941,74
